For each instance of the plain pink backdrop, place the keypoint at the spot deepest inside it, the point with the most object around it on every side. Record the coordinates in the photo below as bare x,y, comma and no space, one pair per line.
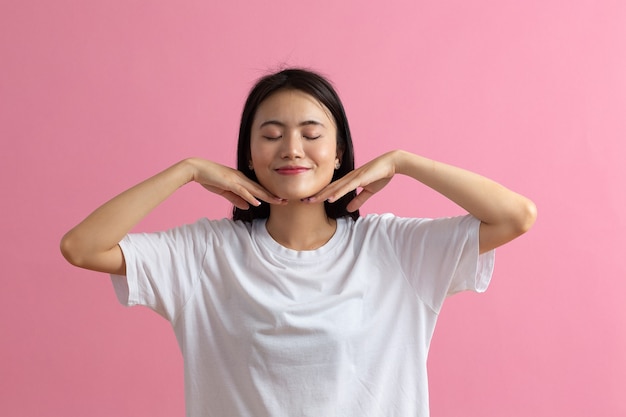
97,95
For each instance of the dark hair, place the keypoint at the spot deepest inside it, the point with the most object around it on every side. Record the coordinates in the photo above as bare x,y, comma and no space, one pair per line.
321,89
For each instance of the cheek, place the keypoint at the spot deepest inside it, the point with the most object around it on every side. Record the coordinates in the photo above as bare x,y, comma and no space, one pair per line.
327,157
258,152
324,152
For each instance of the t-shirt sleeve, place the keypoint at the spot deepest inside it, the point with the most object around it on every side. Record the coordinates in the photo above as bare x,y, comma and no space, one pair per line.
441,257
162,268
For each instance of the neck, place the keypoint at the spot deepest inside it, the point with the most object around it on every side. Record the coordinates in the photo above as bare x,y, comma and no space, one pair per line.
300,226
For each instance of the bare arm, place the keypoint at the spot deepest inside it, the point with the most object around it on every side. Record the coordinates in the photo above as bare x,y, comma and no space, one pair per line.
93,243
504,214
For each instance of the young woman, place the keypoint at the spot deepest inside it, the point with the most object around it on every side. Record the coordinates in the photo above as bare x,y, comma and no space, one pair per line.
298,306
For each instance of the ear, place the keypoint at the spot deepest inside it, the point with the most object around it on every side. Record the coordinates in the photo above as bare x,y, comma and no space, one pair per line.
338,158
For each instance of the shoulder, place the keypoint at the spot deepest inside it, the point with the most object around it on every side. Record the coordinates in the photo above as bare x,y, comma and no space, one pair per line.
221,229
377,227
394,226
374,219
225,225
201,230
386,220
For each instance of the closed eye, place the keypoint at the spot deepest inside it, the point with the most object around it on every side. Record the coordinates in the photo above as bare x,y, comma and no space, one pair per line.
272,137
312,137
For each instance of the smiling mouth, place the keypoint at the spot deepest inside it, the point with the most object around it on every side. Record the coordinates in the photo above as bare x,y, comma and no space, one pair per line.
291,170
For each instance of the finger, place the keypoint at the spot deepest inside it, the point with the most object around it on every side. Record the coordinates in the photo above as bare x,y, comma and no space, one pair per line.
248,190
326,194
262,194
359,200
237,201
236,195
335,190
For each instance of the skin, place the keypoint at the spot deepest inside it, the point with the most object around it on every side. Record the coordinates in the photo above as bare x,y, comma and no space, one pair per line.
293,147
293,129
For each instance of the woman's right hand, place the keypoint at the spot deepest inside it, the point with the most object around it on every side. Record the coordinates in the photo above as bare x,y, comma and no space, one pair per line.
231,184
93,243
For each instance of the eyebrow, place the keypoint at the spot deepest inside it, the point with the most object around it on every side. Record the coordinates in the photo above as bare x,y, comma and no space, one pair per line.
304,123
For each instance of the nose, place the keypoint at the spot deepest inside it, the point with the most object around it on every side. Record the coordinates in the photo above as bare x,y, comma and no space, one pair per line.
291,146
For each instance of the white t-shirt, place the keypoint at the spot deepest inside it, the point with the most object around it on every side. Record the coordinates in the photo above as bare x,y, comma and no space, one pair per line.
342,330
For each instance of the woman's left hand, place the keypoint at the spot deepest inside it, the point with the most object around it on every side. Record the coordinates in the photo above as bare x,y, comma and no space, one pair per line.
371,178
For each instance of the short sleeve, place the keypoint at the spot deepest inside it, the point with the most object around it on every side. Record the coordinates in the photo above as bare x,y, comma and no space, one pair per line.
161,268
440,257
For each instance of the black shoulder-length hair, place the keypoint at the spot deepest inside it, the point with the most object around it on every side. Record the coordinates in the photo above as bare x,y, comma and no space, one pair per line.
321,89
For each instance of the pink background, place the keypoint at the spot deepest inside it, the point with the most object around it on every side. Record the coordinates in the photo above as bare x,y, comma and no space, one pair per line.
97,95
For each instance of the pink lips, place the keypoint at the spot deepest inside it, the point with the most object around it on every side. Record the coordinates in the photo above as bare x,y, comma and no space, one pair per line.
291,170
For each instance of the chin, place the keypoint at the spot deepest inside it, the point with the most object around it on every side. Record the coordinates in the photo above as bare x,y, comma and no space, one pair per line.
292,196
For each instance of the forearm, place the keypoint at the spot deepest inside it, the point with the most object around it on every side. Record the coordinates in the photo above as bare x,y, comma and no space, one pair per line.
103,229
483,198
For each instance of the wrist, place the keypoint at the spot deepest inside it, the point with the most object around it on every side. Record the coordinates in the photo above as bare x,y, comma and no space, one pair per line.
410,164
188,169
401,161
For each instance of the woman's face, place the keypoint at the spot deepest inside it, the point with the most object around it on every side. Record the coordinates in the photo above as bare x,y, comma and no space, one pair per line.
293,145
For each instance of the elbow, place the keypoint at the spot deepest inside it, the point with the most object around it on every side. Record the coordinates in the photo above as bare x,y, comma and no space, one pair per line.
70,249
79,250
516,221
525,217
